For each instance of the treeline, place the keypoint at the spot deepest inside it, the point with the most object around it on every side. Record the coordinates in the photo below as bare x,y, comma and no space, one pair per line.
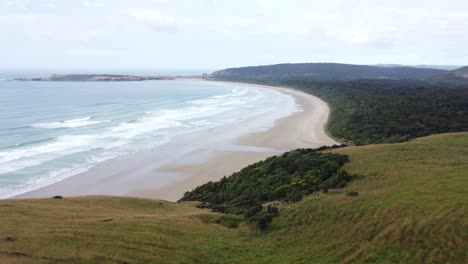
327,72
285,178
386,111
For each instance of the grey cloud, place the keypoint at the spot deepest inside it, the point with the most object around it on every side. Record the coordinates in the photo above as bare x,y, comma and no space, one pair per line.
215,33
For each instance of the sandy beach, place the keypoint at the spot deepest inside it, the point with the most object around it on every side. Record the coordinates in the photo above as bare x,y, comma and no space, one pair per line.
162,173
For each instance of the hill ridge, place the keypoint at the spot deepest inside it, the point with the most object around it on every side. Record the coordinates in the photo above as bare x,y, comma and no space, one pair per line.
327,71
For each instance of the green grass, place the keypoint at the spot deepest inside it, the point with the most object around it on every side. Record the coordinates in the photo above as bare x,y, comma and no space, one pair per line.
411,208
226,220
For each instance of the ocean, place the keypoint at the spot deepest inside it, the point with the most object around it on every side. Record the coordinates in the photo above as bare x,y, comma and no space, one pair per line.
53,130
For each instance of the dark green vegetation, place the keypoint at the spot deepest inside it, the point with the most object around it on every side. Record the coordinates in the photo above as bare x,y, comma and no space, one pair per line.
372,111
284,178
325,72
287,177
386,111
411,208
229,221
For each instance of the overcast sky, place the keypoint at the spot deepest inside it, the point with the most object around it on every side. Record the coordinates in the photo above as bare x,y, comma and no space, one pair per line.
213,34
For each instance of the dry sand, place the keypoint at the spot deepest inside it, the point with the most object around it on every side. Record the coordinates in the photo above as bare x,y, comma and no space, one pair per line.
158,174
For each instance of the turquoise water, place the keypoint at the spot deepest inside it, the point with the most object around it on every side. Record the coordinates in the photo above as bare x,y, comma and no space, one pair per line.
52,130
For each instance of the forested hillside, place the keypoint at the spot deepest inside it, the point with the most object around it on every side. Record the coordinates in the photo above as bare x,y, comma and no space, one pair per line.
325,72
368,111
386,111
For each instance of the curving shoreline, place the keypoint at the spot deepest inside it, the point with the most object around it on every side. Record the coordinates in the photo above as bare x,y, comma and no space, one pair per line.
299,130
153,174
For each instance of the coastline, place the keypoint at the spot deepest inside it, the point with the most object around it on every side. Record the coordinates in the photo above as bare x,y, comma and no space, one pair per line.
154,174
299,130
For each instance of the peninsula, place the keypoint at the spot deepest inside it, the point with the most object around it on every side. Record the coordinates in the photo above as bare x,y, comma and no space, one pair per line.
95,78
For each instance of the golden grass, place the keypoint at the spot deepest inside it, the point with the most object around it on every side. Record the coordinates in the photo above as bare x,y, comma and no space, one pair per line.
411,208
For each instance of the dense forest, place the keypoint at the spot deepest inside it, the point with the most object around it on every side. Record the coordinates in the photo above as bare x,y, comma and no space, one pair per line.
327,72
286,177
387,111
369,111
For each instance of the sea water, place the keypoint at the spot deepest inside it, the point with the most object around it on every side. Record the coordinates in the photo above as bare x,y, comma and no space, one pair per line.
53,130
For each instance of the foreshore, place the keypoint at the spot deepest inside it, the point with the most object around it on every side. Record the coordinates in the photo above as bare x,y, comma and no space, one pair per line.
160,174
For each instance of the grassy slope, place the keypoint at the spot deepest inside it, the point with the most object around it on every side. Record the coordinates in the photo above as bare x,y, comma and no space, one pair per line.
411,208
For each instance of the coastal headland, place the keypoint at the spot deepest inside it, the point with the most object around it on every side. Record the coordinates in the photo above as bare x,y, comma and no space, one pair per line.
95,78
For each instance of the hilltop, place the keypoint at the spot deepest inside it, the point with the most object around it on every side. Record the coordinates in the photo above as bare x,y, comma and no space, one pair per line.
325,72
410,208
394,105
462,72
458,76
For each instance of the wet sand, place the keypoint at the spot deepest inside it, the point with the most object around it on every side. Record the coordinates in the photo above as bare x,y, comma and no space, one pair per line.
169,170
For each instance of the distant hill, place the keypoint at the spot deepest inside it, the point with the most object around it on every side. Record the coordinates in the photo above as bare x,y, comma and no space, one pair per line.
383,105
440,67
93,78
326,72
462,72
458,76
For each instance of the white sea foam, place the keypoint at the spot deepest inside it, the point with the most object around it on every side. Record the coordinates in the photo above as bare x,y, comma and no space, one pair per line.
43,180
78,122
62,146
62,143
68,154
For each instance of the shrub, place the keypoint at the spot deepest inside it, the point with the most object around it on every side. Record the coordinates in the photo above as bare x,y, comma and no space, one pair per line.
286,177
229,221
294,198
252,212
264,220
272,210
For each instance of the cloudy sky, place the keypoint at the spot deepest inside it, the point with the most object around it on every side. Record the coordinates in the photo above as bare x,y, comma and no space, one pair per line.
212,34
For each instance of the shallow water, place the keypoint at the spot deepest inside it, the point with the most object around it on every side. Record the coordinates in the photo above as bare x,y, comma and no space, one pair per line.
52,130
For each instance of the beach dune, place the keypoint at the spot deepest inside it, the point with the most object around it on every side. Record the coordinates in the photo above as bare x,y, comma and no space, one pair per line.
169,170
